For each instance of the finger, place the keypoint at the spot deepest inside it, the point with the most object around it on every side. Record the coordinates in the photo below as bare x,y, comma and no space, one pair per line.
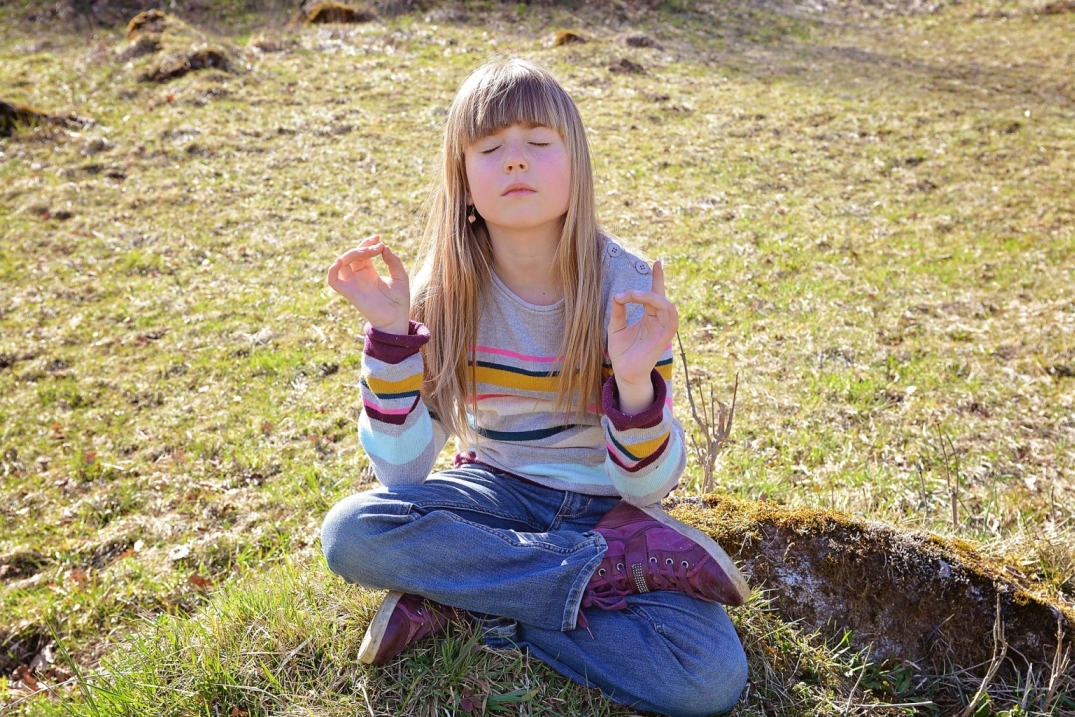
350,256
658,278
372,239
648,299
395,267
333,274
618,318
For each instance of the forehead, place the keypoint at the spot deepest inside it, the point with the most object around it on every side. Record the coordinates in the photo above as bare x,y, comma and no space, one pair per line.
523,125
506,100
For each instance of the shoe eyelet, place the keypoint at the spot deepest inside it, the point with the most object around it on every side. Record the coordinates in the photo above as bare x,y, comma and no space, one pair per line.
653,559
601,571
619,566
685,564
668,561
420,611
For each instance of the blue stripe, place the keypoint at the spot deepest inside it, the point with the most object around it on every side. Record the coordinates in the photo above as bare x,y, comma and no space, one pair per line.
535,435
522,371
665,362
621,447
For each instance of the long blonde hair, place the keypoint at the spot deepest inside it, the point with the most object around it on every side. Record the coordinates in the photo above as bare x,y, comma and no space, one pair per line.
457,257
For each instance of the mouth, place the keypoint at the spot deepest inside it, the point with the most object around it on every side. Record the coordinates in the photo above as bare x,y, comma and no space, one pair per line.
516,190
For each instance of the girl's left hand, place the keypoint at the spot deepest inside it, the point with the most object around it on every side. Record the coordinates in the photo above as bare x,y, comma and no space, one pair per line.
634,350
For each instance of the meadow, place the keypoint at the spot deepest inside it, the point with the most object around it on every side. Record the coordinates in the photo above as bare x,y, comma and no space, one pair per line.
866,211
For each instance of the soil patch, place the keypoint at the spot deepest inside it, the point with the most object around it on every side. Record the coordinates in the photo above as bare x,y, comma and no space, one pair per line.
908,595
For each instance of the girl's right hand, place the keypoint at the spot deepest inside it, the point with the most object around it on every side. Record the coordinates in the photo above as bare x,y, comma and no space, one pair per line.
385,303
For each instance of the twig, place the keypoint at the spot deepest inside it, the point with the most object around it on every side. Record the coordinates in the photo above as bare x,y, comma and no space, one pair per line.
1059,668
1000,651
714,423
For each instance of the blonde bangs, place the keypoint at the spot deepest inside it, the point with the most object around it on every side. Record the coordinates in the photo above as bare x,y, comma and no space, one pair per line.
457,258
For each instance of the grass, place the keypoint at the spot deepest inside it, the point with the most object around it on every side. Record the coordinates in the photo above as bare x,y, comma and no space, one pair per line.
867,215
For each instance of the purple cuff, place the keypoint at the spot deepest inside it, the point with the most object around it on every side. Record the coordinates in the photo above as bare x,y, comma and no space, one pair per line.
395,348
652,416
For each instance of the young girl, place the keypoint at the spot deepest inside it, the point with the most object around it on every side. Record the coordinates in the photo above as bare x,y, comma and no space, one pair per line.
544,346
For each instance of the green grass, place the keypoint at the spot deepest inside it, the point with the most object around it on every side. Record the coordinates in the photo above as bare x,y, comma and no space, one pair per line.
868,218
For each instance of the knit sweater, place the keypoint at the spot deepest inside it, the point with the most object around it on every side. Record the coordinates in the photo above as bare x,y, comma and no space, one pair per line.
639,457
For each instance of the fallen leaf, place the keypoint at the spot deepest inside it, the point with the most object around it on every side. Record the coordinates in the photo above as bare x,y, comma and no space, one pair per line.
125,554
198,581
236,712
22,674
78,577
266,427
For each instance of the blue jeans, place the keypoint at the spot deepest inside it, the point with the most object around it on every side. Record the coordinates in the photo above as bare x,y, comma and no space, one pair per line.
521,555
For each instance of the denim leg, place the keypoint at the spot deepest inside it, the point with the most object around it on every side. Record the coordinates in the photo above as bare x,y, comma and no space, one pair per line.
667,653
473,539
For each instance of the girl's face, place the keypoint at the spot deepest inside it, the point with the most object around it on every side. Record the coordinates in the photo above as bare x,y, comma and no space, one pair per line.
519,177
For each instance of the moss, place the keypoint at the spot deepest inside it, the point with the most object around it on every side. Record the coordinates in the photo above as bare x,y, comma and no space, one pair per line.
908,595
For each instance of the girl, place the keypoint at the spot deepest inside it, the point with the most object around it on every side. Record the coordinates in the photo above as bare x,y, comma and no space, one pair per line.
541,343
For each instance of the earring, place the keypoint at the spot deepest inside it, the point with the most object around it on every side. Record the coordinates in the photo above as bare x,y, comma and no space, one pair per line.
472,214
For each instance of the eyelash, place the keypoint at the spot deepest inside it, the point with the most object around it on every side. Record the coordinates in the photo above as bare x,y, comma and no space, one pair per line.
536,144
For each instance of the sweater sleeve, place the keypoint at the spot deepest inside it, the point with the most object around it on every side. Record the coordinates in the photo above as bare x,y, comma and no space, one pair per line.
646,451
397,432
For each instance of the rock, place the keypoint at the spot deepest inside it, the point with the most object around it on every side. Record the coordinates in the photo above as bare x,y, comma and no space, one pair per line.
908,595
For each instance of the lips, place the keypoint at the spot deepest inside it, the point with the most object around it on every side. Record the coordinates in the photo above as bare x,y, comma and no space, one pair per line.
518,189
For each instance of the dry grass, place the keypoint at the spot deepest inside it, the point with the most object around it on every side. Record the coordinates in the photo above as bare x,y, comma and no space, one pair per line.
867,215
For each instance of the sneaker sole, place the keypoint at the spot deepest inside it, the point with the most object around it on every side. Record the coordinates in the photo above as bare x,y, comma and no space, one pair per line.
371,642
708,544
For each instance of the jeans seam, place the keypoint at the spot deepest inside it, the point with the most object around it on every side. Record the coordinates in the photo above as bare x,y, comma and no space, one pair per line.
499,532
578,589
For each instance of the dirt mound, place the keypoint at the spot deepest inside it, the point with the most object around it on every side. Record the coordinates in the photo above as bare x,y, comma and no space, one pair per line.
162,47
14,115
908,595
315,13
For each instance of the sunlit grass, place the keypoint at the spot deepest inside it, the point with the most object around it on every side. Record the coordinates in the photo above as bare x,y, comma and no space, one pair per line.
869,219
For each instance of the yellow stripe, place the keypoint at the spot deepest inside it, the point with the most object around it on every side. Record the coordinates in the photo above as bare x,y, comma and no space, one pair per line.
644,448
380,386
508,379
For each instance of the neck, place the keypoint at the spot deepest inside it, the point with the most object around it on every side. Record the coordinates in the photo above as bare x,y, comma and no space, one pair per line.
523,259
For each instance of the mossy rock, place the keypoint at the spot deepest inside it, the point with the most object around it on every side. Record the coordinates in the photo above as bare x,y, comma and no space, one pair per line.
906,595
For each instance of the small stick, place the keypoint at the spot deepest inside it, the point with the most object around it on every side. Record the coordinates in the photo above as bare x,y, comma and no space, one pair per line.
1000,645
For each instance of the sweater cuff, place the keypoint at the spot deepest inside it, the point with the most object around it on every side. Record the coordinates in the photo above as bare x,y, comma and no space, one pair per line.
395,348
652,416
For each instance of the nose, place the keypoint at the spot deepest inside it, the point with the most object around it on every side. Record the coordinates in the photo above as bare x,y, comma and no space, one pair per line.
515,157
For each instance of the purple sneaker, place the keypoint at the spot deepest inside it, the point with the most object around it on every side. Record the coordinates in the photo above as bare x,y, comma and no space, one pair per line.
400,621
649,550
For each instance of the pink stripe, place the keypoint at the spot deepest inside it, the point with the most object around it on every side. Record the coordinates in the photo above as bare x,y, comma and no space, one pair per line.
387,411
668,402
481,396
524,357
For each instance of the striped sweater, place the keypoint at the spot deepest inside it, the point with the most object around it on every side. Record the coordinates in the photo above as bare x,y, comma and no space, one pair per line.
638,457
